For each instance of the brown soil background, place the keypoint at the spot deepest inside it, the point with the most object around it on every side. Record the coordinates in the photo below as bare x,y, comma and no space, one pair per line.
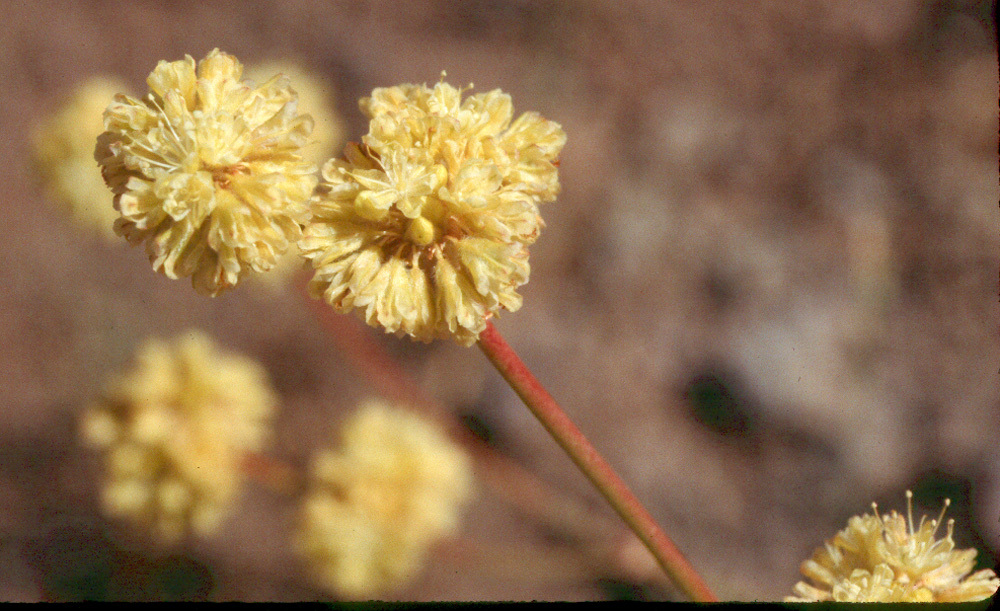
768,291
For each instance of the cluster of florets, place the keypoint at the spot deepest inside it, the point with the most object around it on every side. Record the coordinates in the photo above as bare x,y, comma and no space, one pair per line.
883,558
63,152
174,430
376,504
424,226
207,170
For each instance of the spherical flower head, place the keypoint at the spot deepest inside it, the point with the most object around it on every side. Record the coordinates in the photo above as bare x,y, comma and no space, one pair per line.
174,430
207,170
883,558
394,487
425,225
63,151
315,98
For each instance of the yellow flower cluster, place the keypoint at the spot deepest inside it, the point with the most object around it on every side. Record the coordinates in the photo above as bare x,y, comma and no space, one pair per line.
885,559
425,225
377,504
207,170
175,429
63,147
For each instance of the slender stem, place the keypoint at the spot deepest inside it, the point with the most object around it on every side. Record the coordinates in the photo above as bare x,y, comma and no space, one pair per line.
593,465
276,475
505,477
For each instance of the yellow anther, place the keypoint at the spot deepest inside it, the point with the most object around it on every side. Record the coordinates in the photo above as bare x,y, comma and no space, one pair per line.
421,231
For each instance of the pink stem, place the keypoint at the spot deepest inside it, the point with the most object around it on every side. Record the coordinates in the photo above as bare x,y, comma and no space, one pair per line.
593,465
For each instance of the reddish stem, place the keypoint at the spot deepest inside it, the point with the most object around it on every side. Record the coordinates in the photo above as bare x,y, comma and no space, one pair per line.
270,472
593,465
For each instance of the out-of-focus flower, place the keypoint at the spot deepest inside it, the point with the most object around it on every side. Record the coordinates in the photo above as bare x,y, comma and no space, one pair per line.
175,429
883,558
376,505
63,146
208,171
315,99
426,224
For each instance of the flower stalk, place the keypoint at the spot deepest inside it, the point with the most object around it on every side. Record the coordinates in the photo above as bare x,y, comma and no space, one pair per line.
593,465
277,476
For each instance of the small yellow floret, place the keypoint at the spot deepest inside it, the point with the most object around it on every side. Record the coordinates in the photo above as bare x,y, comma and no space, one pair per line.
175,429
376,505
425,226
207,170
883,558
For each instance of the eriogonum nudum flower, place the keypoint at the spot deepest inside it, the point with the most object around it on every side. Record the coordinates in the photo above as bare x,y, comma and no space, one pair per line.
883,558
375,506
175,429
63,146
207,170
425,225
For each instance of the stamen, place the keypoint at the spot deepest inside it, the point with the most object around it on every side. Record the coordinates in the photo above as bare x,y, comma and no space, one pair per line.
909,511
160,164
947,502
142,145
162,119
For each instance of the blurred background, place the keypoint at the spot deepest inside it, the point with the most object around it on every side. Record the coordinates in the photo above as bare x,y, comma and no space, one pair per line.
767,292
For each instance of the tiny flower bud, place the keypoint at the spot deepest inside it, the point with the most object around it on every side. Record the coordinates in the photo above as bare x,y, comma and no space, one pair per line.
421,231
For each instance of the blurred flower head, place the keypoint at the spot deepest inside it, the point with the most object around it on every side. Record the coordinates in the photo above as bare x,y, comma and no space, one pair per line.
884,558
174,429
63,147
394,487
426,224
207,170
